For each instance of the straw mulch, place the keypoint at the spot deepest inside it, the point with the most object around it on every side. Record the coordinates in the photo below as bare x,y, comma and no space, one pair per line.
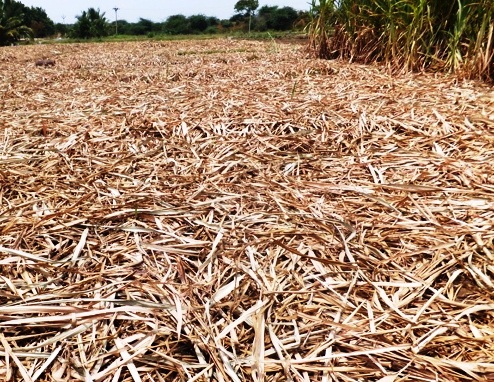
227,211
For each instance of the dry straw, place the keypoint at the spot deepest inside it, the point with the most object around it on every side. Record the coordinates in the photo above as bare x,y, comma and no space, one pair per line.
230,211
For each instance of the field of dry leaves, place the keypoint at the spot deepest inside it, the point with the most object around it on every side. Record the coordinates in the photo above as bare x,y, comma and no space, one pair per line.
229,210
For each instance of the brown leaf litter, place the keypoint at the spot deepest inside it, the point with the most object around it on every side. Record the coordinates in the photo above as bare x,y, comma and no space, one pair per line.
230,210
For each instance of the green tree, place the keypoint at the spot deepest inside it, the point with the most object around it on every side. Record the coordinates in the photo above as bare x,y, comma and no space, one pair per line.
198,23
275,18
213,25
225,25
12,26
123,26
90,24
213,21
37,19
61,29
176,24
247,7
143,27
13,8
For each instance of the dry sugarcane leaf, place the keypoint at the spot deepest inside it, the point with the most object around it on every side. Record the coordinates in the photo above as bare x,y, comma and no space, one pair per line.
219,209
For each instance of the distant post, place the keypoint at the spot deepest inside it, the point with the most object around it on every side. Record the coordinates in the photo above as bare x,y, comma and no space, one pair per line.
64,32
116,20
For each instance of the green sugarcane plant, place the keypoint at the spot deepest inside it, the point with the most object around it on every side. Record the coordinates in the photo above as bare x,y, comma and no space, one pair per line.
319,27
455,36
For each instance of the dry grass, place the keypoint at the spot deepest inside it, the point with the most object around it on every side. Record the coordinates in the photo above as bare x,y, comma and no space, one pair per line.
230,211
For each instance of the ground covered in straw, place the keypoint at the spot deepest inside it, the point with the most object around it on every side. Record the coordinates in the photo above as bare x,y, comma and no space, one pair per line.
228,211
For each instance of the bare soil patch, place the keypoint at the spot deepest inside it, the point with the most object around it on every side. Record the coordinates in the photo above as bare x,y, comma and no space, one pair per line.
231,210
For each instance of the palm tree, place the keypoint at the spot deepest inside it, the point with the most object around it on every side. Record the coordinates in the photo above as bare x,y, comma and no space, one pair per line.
90,24
12,28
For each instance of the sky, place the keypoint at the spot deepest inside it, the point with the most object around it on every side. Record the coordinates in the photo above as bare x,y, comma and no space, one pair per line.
132,10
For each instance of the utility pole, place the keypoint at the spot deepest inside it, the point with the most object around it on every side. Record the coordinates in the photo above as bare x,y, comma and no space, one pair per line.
64,32
116,20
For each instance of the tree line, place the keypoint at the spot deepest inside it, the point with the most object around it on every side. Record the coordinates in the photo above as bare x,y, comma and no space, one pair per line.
18,21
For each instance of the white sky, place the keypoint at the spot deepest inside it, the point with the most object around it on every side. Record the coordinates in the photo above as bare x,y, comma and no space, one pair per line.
132,10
